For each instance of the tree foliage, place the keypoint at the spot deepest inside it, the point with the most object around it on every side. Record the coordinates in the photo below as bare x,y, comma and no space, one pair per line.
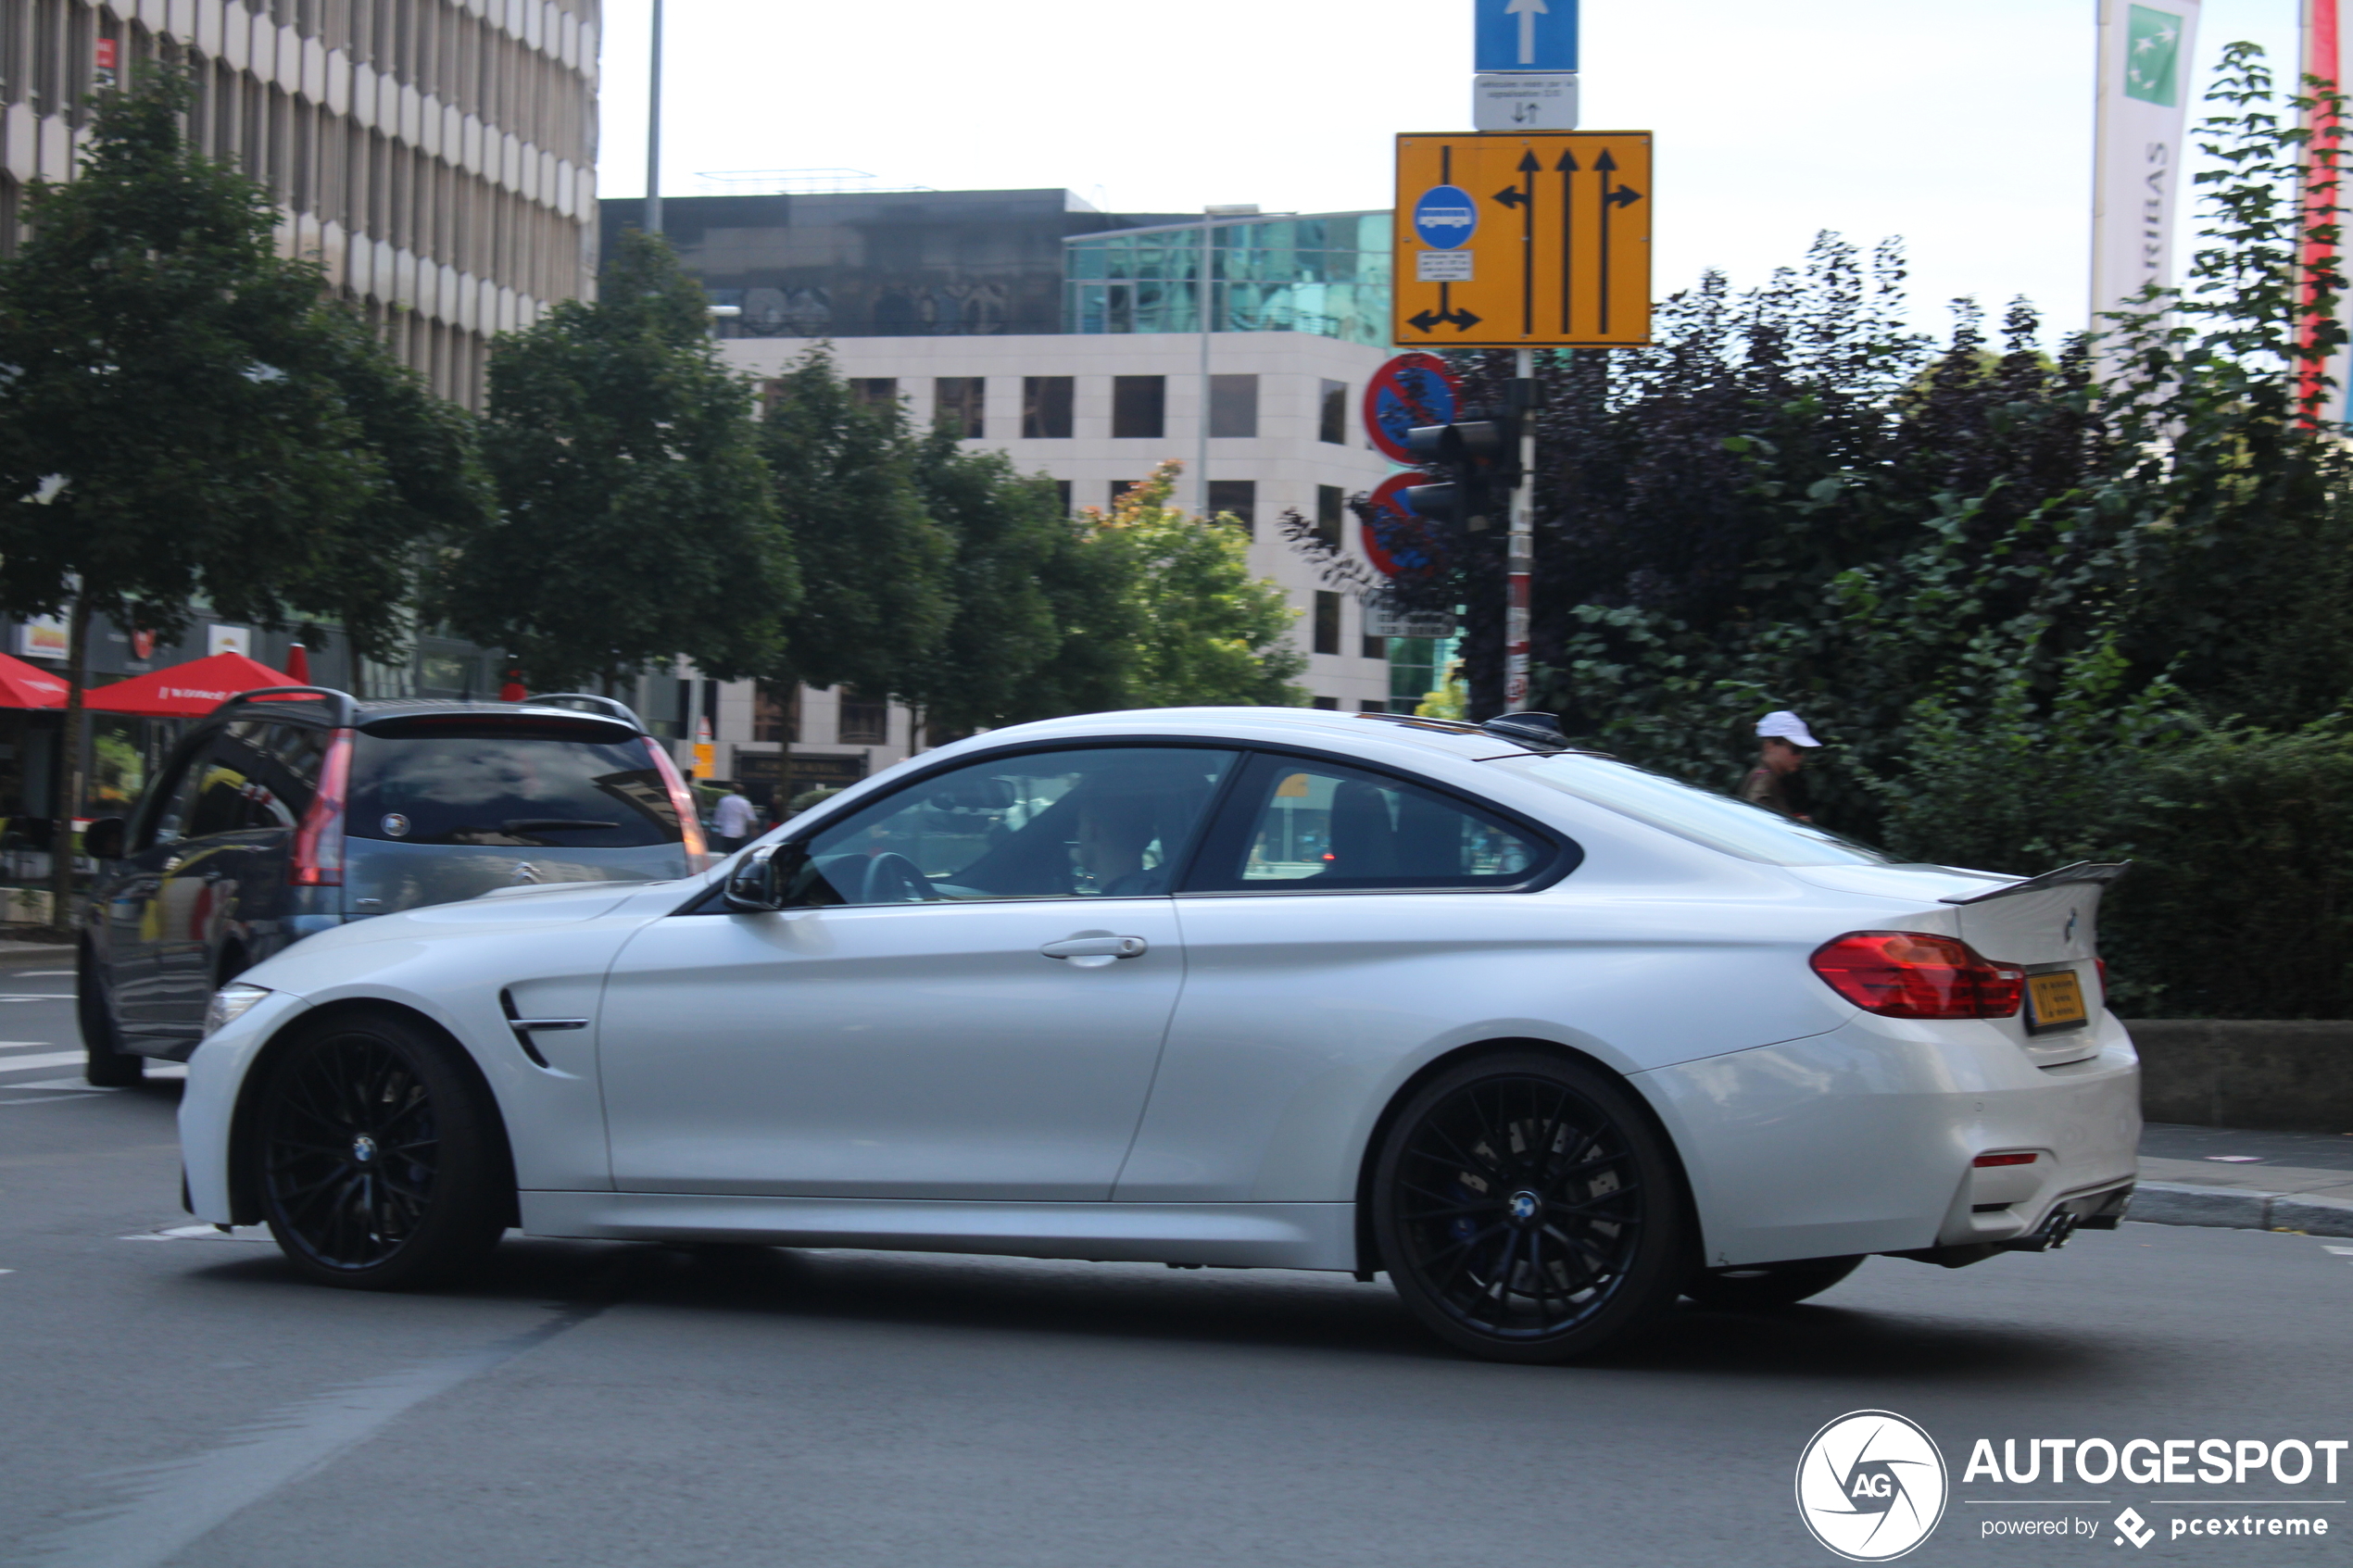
212,429
845,490
636,519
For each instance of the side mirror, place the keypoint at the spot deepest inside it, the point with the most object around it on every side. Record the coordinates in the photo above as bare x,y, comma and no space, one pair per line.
101,840
762,880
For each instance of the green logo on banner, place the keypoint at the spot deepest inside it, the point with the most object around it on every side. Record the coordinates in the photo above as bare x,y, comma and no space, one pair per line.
2152,57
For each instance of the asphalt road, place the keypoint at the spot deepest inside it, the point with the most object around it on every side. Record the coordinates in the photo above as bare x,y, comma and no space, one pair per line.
181,1399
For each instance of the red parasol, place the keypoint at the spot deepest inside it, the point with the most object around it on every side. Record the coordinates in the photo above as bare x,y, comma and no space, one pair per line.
25,685
186,690
299,663
514,690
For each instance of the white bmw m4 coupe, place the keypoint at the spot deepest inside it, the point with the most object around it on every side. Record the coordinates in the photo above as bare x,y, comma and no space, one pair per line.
1550,1039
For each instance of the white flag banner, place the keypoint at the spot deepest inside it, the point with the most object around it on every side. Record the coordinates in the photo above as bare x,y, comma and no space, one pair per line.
2138,181
2323,56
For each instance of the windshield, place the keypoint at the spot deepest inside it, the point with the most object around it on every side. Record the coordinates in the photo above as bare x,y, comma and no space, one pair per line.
482,785
1717,821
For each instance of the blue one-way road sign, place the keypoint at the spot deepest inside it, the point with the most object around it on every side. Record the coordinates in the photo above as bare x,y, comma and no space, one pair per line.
1526,34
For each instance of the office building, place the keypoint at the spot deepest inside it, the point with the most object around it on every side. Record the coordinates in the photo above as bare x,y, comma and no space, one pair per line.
436,157
1073,340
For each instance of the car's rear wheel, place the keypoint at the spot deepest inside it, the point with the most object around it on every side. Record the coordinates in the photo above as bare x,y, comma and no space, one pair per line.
105,1063
1528,1210
379,1159
1767,1286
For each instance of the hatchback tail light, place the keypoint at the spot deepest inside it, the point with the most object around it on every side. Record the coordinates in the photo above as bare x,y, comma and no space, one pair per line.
1913,974
318,843
681,801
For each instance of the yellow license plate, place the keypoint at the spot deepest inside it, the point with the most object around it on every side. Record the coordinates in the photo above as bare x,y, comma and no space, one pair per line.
2055,1001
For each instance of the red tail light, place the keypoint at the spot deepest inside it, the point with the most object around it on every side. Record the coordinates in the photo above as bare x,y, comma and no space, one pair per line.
1912,975
2102,964
318,843
681,801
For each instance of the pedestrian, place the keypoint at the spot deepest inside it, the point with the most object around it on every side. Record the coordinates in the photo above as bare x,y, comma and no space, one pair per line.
733,823
1774,782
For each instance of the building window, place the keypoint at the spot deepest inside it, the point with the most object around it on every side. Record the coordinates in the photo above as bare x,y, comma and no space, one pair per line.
865,721
874,391
1331,509
1233,405
774,721
1136,405
1045,407
1062,496
1332,423
1238,499
1375,648
1327,622
1120,487
1371,705
960,403
1329,704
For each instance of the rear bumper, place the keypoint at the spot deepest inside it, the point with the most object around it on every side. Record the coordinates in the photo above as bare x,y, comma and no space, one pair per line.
1863,1139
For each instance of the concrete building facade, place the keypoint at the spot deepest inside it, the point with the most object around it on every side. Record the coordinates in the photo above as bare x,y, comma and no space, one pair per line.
436,157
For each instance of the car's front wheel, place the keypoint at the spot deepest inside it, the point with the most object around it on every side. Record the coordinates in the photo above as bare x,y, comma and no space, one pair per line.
1528,1210
379,1159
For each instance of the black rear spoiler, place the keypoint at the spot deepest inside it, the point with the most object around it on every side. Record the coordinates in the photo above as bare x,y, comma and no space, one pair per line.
2101,873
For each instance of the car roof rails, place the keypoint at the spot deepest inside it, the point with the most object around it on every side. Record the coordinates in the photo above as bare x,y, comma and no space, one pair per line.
342,705
587,702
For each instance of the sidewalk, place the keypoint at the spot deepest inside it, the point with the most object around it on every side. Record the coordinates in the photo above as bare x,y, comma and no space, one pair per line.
2245,1180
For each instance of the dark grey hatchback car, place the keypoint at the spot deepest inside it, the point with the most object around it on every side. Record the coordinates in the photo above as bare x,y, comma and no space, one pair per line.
289,811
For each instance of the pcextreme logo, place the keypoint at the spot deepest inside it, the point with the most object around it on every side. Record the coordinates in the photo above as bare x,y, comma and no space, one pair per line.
1871,1486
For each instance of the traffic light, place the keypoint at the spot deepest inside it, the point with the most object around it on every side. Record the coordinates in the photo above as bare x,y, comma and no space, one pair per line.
1479,457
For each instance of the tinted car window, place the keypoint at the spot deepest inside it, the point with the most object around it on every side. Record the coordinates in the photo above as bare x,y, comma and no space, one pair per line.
242,784
490,785
1717,820
1317,826
1113,822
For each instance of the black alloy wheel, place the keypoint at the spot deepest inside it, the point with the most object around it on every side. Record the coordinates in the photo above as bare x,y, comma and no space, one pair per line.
1528,1210
106,1063
380,1163
1763,1286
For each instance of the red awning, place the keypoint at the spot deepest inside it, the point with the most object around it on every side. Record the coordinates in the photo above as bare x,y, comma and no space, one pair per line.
27,686
186,690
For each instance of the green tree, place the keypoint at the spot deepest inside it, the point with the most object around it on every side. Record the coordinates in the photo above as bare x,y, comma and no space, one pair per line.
635,517
876,563
1206,630
189,420
1009,536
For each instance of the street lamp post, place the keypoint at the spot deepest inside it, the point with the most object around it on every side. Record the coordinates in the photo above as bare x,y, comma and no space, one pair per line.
653,133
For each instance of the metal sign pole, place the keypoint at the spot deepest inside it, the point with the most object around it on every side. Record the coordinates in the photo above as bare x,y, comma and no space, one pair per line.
1520,566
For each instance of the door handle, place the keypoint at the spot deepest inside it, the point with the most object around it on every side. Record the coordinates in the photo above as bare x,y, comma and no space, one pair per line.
1096,948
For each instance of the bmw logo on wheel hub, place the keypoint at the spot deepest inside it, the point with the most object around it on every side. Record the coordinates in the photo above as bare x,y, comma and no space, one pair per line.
363,1148
1524,1206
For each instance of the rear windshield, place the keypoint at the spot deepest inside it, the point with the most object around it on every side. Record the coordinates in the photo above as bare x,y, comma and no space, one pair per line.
477,784
1717,820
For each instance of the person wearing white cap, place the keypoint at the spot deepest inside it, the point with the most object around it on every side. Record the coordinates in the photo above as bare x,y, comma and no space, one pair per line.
1773,782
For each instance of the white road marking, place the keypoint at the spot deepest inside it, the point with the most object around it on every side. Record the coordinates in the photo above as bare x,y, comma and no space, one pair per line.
2341,1251
173,1504
27,1063
2238,1159
39,996
23,1044
42,973
201,1233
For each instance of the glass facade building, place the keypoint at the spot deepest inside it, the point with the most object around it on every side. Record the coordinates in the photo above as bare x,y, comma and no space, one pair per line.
1326,274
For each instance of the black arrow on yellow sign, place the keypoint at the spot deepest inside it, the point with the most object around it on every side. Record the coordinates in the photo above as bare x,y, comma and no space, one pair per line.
1567,169
1429,320
1523,196
1623,195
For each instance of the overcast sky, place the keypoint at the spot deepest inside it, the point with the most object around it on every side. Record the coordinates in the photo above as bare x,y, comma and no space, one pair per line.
1965,129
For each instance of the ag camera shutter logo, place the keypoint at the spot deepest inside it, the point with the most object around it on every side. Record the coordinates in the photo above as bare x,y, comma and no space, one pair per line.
1871,1486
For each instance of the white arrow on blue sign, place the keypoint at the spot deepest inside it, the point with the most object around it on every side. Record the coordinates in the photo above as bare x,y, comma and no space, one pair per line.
1526,34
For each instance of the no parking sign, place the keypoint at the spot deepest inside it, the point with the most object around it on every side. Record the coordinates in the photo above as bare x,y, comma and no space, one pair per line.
1412,389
